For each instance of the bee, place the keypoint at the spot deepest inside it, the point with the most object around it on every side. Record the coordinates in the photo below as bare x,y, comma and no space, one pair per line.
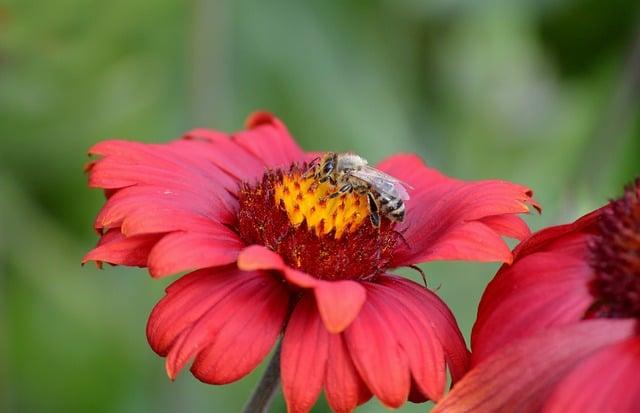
348,172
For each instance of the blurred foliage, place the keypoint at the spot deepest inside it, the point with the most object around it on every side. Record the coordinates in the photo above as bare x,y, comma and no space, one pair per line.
540,92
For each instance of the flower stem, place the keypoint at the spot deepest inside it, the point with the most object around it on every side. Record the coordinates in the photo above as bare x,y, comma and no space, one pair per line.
263,394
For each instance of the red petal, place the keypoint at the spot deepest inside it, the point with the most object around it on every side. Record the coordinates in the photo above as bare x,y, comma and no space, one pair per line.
115,248
245,339
415,335
207,135
543,240
257,257
473,241
521,376
344,388
606,381
160,189
269,140
446,228
411,169
138,211
416,395
441,318
539,291
339,302
511,226
230,334
232,158
377,354
181,251
148,209
304,357
187,300
172,166
171,179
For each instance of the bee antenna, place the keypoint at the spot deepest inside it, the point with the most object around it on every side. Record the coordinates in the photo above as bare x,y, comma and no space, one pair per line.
424,278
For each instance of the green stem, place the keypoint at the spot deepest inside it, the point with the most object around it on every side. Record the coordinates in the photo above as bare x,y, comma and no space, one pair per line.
263,394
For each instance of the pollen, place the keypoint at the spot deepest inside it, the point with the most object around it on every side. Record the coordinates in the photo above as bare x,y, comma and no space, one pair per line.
307,200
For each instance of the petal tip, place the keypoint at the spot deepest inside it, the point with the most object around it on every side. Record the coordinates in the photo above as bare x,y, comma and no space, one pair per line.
171,371
92,256
339,303
260,117
257,257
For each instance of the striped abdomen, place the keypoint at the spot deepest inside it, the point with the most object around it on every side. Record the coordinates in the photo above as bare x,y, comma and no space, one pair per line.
392,208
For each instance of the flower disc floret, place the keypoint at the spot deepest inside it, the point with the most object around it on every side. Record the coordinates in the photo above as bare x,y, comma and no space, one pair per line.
615,258
330,239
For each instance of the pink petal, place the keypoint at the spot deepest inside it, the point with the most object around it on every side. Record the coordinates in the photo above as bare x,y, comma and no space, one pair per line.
606,381
339,302
377,354
268,139
115,248
304,357
538,292
441,319
181,251
447,228
234,333
520,376
344,388
257,257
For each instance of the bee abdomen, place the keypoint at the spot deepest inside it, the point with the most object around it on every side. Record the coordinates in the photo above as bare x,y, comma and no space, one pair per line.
398,214
393,208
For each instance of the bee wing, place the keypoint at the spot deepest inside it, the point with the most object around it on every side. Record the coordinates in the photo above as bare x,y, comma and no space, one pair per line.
383,183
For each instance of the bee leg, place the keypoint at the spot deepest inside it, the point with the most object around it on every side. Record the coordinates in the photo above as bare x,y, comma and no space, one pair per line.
312,171
374,215
343,190
424,278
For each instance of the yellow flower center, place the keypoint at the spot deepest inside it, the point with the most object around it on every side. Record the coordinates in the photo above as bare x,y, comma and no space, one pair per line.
305,199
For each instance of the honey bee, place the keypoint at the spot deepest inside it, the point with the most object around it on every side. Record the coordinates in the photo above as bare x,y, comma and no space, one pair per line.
348,172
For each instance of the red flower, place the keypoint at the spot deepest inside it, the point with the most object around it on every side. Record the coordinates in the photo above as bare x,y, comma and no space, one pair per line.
557,331
273,256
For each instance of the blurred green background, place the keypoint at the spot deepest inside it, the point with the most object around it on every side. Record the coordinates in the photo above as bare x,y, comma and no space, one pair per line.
539,92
